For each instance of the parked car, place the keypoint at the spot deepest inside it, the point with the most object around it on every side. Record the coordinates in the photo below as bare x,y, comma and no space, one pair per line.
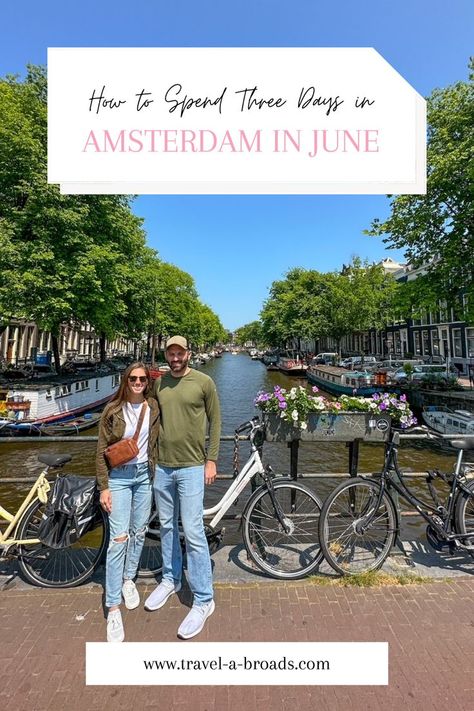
355,362
390,366
325,358
422,372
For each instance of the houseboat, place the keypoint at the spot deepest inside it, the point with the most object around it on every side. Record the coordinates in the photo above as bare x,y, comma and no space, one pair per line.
340,381
292,364
26,406
445,421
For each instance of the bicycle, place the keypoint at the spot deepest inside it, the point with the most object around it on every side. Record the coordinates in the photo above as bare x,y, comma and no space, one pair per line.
279,521
360,520
41,565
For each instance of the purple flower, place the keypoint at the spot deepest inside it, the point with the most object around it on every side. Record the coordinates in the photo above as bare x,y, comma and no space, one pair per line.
282,405
375,396
383,406
315,389
403,398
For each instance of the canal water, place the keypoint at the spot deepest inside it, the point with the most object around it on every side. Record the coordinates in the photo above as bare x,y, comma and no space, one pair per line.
238,380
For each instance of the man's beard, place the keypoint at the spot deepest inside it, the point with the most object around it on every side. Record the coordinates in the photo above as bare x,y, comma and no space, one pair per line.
178,367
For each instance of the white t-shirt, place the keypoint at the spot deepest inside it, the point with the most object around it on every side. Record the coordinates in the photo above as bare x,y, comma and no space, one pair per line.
131,412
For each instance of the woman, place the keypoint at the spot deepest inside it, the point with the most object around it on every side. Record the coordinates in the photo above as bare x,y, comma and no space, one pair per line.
126,490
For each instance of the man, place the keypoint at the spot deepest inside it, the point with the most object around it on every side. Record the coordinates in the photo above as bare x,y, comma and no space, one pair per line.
188,400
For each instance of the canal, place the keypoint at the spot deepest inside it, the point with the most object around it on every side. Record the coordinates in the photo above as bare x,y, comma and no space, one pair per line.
238,379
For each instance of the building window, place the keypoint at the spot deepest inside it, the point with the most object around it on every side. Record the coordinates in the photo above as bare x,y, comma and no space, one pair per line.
398,347
443,311
470,342
417,341
435,342
426,343
457,342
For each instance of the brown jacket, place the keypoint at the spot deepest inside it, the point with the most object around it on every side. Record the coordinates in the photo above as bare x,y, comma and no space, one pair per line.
112,429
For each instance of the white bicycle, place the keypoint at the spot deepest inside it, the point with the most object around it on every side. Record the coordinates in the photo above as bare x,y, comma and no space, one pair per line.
279,523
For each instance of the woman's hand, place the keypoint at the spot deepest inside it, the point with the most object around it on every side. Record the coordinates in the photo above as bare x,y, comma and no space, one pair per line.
106,500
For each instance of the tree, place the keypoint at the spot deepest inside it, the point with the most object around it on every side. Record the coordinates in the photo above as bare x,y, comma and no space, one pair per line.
61,257
79,258
211,330
363,296
437,229
250,333
295,307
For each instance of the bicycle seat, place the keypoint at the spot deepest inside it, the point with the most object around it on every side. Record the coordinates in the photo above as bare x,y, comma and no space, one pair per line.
54,460
462,443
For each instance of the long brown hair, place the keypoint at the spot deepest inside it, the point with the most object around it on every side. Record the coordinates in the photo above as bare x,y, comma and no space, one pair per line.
121,395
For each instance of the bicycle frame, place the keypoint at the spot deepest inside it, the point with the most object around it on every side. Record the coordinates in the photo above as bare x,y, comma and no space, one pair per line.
251,467
39,490
426,511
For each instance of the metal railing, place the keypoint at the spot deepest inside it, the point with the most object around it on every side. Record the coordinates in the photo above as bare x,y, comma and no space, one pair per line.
293,446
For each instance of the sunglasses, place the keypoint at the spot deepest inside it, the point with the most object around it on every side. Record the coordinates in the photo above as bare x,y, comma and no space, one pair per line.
134,378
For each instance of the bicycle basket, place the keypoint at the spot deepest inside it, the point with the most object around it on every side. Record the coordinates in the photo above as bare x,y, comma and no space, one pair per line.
70,512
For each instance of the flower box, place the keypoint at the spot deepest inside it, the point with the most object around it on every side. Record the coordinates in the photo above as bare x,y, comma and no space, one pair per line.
330,427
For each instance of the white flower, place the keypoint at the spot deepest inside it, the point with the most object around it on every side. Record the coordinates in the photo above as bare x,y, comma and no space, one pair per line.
294,415
304,426
282,414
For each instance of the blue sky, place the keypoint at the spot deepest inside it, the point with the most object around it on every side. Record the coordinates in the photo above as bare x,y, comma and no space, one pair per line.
235,246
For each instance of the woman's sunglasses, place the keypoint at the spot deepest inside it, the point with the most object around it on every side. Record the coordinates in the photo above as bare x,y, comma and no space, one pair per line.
134,378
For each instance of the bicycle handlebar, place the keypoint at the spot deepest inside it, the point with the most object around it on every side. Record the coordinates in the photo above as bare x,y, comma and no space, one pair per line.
249,425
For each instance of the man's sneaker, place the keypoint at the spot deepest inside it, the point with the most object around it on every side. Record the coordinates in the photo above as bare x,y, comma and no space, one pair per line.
115,632
130,595
195,619
160,595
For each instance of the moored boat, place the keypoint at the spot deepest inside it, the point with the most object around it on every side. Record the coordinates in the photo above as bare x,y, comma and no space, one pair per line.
445,421
341,381
71,426
28,405
292,364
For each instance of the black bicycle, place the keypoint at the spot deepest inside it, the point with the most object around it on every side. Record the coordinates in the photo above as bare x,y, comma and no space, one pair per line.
360,520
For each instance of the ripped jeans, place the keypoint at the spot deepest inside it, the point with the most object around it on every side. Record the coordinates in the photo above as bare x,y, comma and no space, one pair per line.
131,491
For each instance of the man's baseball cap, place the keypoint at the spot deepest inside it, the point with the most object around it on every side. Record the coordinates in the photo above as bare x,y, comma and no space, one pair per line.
177,341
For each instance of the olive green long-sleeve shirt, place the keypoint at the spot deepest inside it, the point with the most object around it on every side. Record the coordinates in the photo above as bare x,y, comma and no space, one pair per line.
187,404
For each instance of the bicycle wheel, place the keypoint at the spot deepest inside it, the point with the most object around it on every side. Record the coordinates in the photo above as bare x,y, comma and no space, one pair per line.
464,513
283,554
151,561
59,567
347,549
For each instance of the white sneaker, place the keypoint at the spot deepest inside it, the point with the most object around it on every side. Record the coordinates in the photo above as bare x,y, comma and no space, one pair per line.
195,619
115,631
130,595
160,595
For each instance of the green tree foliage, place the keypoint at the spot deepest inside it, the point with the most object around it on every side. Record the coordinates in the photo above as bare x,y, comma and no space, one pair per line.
61,257
295,307
363,296
78,258
250,333
437,229
312,304
210,328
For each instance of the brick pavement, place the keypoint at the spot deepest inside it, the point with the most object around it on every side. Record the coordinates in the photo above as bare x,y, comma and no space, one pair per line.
429,627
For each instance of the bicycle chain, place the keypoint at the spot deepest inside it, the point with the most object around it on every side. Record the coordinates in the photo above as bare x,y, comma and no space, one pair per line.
235,459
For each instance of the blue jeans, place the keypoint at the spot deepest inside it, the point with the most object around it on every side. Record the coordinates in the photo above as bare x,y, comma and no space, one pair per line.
131,492
180,492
